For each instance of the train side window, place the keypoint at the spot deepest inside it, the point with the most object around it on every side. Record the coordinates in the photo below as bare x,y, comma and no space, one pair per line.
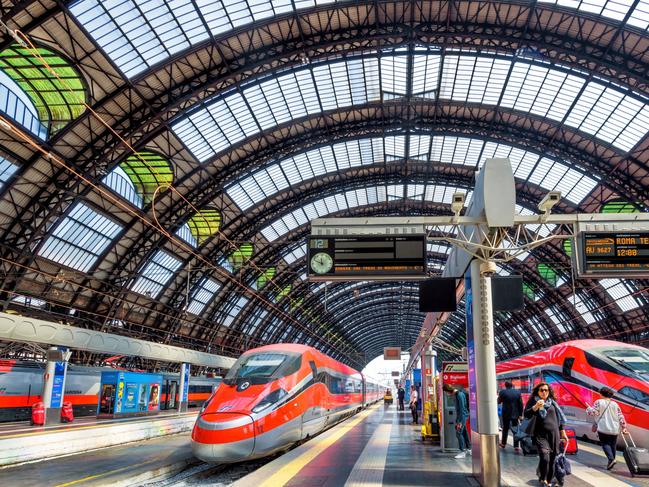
568,362
314,369
635,394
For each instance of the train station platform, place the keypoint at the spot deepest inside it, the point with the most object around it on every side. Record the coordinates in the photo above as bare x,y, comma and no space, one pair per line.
20,442
378,447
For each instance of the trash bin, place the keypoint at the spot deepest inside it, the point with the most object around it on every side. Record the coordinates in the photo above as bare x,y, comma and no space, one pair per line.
67,416
38,414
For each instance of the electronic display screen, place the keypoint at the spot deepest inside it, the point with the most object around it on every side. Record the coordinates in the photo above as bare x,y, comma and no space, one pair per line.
614,254
367,257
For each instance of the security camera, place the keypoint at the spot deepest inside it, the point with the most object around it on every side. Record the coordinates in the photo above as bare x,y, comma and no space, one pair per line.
549,201
457,203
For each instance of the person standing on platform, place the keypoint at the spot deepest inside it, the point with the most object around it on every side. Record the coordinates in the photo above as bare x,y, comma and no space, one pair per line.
413,404
546,428
462,416
609,422
512,412
402,395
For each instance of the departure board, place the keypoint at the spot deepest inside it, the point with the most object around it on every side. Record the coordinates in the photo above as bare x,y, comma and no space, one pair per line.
619,254
366,257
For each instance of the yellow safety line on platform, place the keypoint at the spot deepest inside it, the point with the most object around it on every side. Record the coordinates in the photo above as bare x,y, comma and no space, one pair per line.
92,477
93,426
291,470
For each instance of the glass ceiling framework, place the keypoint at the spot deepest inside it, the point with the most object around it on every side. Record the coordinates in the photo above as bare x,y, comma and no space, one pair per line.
594,106
529,166
360,197
137,34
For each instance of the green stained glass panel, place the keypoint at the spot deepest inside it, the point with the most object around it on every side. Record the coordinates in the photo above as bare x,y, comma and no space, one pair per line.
148,171
58,99
265,277
567,247
619,206
240,256
547,273
204,224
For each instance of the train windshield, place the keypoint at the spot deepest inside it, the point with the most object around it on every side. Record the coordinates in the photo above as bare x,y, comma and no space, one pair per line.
262,367
635,360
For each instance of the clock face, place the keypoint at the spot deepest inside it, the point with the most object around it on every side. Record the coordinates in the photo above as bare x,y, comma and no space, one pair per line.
321,263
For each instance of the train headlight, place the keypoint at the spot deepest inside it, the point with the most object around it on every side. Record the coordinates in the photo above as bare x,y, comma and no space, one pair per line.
272,398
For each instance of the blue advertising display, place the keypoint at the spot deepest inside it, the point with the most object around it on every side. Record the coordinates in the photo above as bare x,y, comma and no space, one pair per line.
470,345
57,387
186,384
407,397
130,393
416,378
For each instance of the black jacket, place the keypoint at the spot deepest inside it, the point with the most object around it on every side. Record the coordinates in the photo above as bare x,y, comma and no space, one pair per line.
512,403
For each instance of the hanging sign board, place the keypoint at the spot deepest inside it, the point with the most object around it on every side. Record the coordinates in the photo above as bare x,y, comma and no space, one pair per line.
392,353
613,254
361,258
395,373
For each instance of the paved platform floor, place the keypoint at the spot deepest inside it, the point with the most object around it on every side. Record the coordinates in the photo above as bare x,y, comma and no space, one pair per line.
378,447
381,447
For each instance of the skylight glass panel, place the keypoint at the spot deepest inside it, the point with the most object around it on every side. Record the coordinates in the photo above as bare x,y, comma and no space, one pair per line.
473,79
7,169
118,181
234,310
520,255
557,318
81,237
552,175
185,233
156,274
17,105
425,74
438,249
252,328
139,34
613,9
202,295
640,16
29,301
394,74
620,294
582,309
540,90
610,115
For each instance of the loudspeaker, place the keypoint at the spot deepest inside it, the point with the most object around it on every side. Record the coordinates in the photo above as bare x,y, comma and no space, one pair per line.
507,293
437,294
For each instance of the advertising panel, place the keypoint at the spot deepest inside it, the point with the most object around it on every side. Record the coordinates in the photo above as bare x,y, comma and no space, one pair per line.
470,345
154,397
57,387
186,384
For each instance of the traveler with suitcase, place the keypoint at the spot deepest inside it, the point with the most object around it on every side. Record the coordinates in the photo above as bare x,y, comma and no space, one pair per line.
546,427
637,459
609,421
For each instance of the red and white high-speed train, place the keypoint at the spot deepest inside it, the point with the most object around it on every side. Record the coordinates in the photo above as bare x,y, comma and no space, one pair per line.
577,370
275,396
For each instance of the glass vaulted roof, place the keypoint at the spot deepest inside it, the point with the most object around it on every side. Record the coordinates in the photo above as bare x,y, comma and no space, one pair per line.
593,106
137,34
527,165
359,197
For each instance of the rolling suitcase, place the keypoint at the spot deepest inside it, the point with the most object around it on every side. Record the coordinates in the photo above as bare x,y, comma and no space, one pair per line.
527,445
67,414
637,459
571,447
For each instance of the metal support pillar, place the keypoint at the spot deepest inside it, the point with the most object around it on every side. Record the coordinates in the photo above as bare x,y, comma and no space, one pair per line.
482,377
183,389
54,383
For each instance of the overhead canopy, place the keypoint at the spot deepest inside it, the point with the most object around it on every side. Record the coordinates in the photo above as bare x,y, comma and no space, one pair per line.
264,116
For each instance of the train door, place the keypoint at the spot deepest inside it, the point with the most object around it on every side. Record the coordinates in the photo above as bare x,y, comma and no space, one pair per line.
172,391
106,401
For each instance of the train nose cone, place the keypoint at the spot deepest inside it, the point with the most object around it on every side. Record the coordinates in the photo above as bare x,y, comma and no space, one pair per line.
223,437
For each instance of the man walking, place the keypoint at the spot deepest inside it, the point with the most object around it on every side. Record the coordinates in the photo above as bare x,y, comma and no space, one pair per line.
462,416
402,395
512,408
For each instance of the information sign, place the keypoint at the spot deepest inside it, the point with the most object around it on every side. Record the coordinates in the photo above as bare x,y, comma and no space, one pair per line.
57,386
332,258
392,353
606,254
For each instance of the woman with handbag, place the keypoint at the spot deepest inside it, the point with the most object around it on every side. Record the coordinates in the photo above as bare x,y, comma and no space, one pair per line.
546,428
608,424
